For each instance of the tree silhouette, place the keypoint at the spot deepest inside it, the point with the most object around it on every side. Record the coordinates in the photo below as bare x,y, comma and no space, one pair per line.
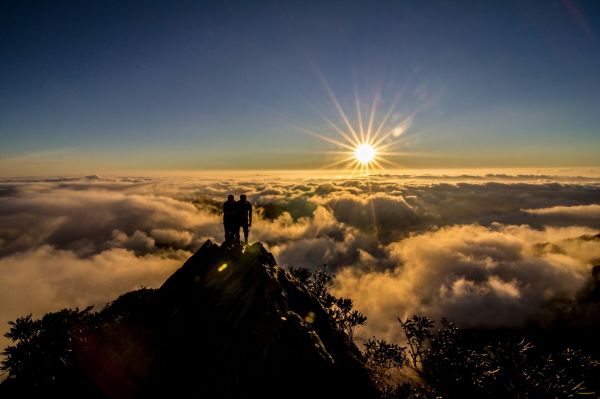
42,350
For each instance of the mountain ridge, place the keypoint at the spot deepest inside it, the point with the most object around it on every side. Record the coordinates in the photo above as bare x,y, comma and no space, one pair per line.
229,323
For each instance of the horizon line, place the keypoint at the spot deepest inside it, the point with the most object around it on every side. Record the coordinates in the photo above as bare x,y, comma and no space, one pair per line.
329,172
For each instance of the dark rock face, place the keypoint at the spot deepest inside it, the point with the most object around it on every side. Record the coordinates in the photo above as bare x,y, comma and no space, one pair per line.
227,324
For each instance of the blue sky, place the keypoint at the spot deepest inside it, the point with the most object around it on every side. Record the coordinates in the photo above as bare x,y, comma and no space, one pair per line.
99,86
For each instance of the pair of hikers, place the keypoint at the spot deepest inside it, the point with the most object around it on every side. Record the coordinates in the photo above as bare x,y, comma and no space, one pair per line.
236,215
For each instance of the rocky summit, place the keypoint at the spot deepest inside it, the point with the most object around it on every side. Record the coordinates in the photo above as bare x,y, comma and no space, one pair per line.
230,323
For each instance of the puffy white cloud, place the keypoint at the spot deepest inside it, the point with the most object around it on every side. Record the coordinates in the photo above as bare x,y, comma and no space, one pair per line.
85,220
475,275
382,213
172,238
586,215
138,241
46,279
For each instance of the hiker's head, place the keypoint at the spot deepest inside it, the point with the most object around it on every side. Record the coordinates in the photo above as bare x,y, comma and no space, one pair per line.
243,197
230,197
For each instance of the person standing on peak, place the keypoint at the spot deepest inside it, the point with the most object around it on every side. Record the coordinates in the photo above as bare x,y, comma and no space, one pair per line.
244,214
230,219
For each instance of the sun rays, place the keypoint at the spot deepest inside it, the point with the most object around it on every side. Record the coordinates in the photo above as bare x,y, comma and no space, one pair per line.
367,142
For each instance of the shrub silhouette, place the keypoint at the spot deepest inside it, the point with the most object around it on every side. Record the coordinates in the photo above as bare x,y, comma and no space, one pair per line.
417,331
42,350
341,310
382,359
456,366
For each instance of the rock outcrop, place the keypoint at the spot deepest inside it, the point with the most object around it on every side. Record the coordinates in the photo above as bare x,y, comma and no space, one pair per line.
230,323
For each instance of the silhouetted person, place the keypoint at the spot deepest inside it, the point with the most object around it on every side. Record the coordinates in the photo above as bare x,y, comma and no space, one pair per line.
230,219
244,214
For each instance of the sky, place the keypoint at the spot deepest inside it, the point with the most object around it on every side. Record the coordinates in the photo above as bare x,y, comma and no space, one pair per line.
99,87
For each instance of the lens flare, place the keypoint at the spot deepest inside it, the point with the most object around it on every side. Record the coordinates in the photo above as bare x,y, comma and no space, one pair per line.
222,267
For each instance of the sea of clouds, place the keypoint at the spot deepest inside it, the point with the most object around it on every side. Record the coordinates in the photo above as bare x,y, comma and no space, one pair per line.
482,250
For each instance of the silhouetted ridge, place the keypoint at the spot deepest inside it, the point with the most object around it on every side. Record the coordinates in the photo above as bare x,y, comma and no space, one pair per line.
230,323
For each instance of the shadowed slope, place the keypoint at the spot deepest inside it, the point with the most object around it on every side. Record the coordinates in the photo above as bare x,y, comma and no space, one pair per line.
251,328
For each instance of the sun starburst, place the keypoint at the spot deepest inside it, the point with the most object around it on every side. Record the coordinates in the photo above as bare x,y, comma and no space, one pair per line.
366,144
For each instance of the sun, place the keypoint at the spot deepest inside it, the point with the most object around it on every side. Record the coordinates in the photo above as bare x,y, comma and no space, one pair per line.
369,141
365,153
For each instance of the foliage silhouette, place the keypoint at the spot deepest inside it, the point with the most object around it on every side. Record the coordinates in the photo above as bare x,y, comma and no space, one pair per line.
341,310
382,359
42,350
417,330
456,366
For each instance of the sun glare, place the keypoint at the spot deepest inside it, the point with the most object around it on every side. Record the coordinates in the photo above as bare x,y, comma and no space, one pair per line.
365,143
365,154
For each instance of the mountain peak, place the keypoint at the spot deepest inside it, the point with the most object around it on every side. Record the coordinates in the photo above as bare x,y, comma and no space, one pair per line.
259,329
229,323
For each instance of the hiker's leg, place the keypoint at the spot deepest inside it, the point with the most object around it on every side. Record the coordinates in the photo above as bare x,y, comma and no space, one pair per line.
246,233
237,233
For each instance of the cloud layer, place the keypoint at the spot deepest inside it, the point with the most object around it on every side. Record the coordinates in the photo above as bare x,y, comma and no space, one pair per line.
464,247
476,276
46,279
